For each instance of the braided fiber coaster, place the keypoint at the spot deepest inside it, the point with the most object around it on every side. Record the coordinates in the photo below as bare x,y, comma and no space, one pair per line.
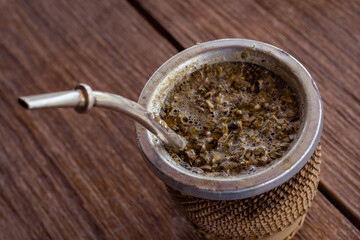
276,214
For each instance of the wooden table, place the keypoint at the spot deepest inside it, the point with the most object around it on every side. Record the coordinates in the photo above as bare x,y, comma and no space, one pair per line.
70,176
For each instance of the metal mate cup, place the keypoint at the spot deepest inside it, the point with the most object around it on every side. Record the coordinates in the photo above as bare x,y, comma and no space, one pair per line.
268,204
245,185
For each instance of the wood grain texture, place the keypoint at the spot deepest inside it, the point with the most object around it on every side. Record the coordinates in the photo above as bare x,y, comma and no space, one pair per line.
323,221
323,35
70,176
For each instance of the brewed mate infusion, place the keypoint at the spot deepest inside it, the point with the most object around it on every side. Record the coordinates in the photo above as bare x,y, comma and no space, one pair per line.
235,117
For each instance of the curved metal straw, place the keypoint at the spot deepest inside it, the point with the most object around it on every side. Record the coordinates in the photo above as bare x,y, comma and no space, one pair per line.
83,99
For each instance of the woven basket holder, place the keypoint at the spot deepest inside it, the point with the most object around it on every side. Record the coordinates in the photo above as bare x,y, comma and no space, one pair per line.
277,214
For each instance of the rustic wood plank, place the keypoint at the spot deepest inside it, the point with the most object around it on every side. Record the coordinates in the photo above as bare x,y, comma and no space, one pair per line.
323,35
66,176
70,176
324,221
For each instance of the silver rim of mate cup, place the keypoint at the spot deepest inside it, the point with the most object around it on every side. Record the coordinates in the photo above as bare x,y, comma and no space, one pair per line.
245,185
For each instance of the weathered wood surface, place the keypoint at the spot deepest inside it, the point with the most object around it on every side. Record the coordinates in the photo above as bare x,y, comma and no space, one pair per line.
324,222
65,175
323,35
70,176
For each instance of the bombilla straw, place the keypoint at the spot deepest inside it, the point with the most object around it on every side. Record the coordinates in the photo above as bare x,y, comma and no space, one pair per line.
82,98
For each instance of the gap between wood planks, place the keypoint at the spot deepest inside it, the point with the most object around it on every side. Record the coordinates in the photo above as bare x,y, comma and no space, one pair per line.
167,35
155,24
337,203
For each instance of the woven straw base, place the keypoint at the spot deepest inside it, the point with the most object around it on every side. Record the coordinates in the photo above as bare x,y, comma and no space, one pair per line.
276,214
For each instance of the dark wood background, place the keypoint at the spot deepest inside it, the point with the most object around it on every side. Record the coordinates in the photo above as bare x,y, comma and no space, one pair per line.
70,176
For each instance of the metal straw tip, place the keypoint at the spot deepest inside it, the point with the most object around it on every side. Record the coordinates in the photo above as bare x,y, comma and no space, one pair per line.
23,103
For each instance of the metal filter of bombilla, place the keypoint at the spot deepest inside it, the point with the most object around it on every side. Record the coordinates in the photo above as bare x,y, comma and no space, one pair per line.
82,98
